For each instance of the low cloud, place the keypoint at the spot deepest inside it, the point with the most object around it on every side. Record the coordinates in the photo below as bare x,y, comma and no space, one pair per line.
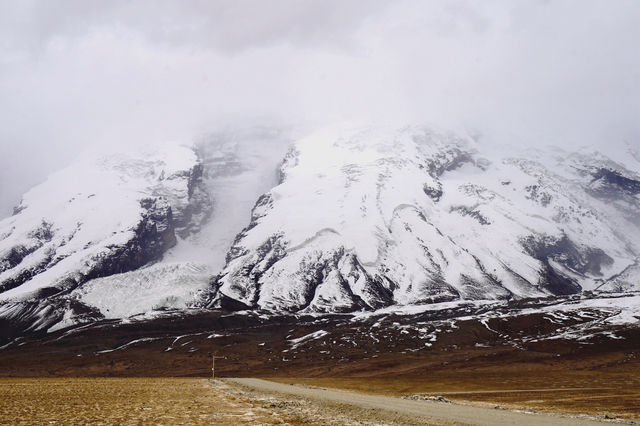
75,75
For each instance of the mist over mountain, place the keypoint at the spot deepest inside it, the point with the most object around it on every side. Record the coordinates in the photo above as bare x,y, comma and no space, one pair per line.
230,211
350,218
315,157
79,76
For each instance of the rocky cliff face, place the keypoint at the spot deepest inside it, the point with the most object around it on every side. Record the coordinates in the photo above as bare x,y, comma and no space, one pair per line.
366,218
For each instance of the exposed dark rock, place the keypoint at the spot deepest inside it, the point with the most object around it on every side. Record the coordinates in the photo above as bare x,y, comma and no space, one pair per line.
626,280
272,250
290,160
447,161
153,236
379,290
17,209
434,193
15,255
189,219
263,204
325,305
36,316
557,283
27,274
43,232
465,211
38,237
535,193
169,209
611,184
267,254
621,189
580,259
230,304
439,291
314,272
563,251
195,179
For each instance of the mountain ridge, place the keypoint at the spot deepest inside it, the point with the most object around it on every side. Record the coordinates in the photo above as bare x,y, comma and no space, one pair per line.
555,255
358,218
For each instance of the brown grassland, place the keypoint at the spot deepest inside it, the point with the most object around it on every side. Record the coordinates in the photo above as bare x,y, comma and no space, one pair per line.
171,401
574,392
130,401
472,364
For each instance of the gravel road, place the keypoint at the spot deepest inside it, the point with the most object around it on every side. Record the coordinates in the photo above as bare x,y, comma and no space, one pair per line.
438,411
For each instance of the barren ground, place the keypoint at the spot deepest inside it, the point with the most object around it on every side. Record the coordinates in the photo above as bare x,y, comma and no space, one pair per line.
597,394
237,401
429,411
163,401
506,362
127,401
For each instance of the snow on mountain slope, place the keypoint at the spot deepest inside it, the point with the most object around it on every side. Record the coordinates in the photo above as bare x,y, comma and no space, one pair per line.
98,217
356,218
366,218
78,247
627,280
238,166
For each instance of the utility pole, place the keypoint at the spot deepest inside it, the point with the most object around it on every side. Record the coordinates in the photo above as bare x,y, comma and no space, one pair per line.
213,365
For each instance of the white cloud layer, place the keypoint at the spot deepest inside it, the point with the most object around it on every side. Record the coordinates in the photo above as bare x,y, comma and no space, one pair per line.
77,74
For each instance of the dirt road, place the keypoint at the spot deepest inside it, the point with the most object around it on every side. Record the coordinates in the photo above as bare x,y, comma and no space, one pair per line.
438,411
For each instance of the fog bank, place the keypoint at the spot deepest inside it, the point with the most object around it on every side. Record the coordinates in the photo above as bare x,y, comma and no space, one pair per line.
78,75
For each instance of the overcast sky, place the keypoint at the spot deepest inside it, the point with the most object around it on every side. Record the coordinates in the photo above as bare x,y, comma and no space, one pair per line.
82,73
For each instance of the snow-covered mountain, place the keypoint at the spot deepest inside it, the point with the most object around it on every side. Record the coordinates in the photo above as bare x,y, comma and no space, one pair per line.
116,235
102,216
360,218
366,218
99,218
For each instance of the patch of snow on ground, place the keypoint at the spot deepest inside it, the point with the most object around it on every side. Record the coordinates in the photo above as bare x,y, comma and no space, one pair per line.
311,336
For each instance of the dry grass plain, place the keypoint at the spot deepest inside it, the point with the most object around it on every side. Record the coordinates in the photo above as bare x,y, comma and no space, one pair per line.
96,401
171,401
615,394
472,363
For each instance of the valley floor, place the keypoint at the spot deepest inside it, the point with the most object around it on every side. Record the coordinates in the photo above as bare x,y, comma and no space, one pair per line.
231,401
158,401
583,394
579,356
423,410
